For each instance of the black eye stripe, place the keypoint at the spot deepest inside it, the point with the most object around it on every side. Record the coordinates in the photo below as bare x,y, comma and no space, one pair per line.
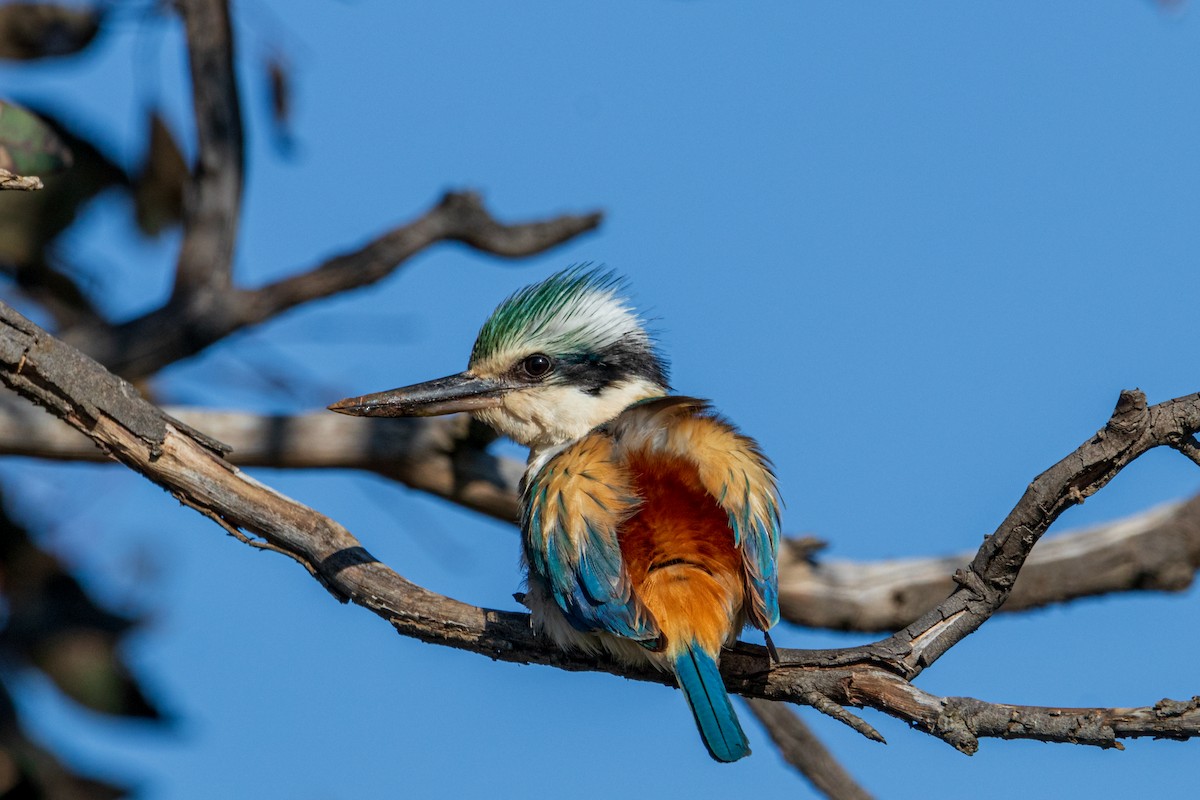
592,372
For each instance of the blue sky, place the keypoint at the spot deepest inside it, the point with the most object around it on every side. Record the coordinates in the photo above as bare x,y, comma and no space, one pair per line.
915,249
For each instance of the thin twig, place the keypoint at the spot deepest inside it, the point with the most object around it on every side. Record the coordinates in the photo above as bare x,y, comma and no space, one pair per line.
834,711
19,183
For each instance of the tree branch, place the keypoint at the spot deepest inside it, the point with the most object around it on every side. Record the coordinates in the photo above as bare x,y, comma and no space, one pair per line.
192,467
962,721
444,456
205,305
213,196
1155,550
458,217
801,748
987,582
19,183
142,346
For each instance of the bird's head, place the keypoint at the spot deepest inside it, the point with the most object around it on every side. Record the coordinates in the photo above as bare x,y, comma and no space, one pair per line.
553,361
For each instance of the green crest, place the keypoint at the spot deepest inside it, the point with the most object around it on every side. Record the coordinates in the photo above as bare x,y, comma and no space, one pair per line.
571,310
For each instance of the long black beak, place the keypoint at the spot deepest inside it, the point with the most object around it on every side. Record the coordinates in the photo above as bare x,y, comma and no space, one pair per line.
461,392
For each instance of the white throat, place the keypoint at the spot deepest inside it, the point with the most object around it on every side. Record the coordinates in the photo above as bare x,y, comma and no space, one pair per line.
549,416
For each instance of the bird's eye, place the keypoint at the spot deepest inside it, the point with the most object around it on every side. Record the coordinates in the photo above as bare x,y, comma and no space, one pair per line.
536,365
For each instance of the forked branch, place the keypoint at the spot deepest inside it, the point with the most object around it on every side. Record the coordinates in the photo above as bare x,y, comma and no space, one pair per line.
134,432
192,320
1154,550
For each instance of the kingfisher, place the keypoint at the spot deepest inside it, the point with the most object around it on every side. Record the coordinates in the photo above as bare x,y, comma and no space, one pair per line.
649,524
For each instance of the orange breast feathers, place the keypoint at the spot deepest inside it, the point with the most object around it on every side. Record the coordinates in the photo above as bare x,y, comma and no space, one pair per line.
660,527
679,552
725,482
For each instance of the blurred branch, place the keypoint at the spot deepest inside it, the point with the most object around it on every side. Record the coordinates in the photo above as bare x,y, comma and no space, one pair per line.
54,626
801,748
75,171
1155,550
213,198
45,30
444,456
458,217
20,183
28,770
109,411
180,329
205,305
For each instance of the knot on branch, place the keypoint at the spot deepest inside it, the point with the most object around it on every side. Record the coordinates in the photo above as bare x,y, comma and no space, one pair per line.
466,206
1130,413
954,726
1091,728
969,579
1166,707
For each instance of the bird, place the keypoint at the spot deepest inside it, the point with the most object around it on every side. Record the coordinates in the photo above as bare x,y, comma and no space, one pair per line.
649,523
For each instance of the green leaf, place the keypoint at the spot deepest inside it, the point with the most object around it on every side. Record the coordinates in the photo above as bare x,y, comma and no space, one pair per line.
28,146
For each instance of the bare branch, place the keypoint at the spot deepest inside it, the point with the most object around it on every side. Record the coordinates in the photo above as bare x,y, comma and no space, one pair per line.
1189,447
20,183
1155,550
109,411
962,721
183,328
213,198
444,456
458,217
829,708
987,582
801,748
205,306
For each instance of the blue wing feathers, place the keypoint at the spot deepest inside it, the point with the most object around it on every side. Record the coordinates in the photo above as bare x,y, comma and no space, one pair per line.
759,549
600,571
705,692
758,537
579,559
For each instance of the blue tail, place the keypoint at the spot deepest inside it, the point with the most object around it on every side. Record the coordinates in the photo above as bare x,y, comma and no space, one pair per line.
701,683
